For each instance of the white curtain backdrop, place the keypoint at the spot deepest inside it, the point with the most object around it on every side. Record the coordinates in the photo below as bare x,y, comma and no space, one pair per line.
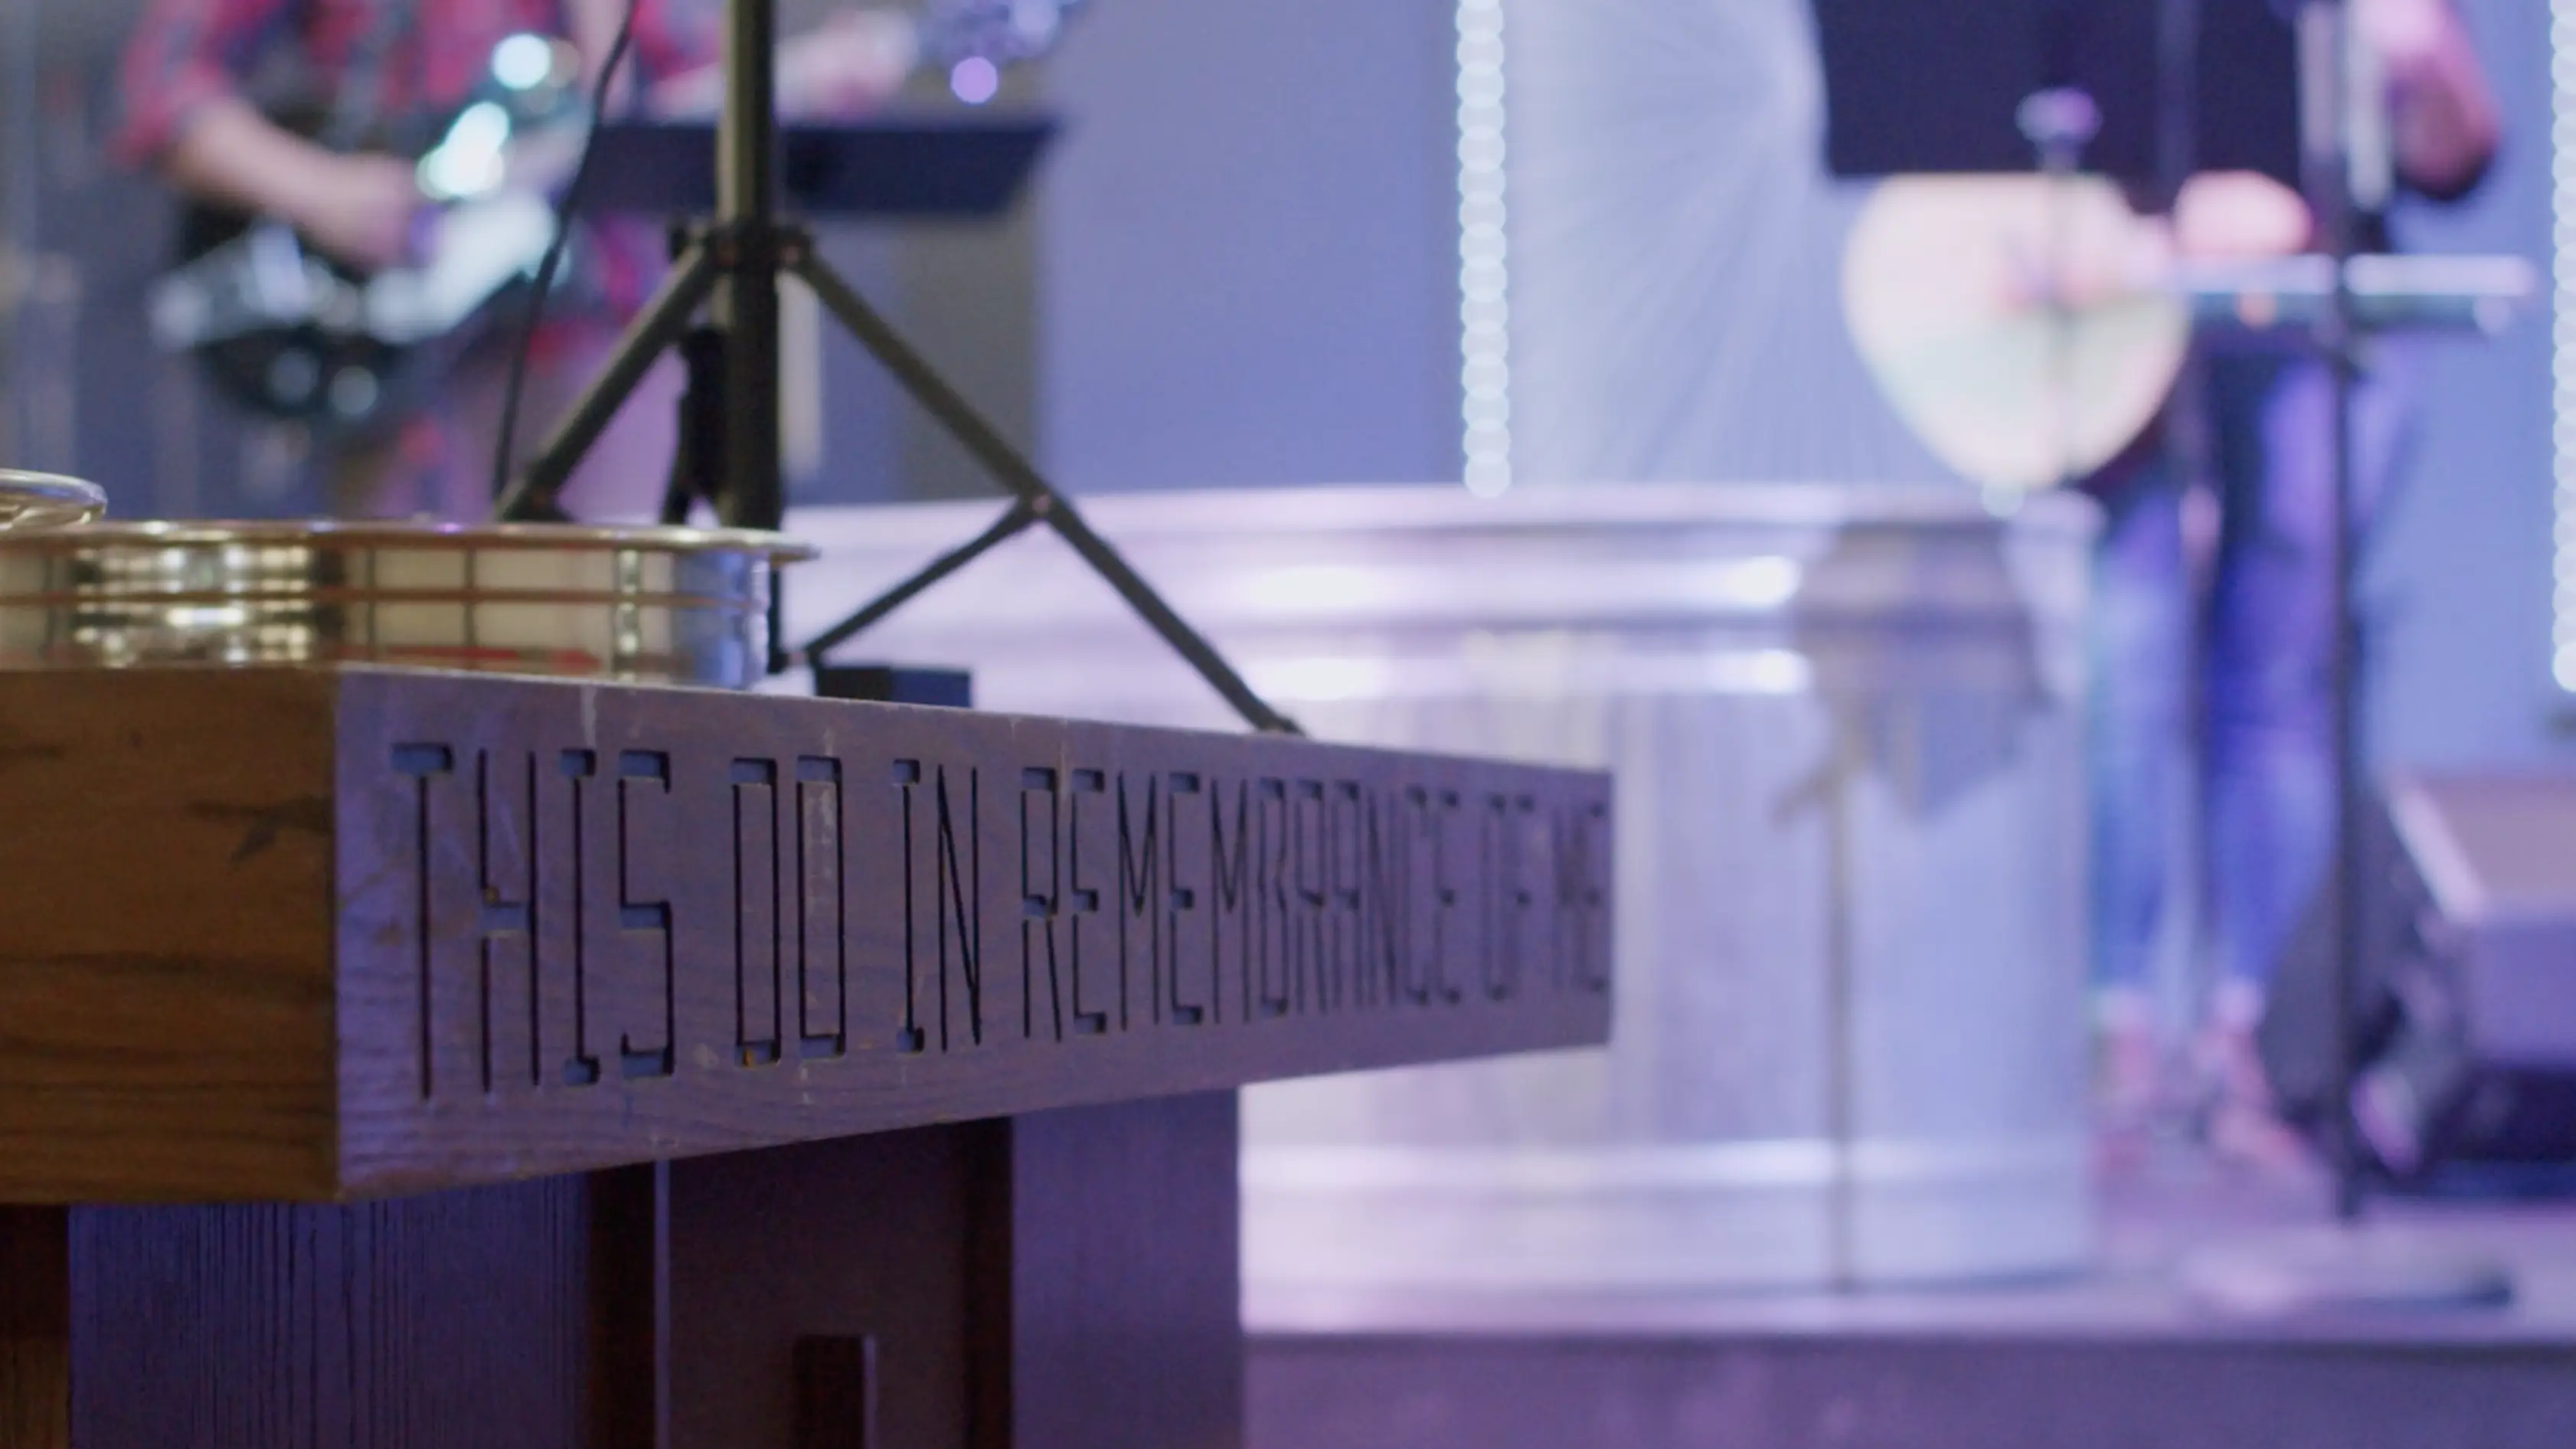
1676,251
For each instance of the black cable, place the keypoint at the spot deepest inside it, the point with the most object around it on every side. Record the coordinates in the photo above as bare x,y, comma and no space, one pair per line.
566,207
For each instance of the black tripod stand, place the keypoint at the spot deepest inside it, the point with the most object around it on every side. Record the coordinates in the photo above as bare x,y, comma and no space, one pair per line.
729,452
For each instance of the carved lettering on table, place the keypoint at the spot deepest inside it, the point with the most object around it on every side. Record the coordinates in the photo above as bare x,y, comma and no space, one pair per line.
1041,899
1441,816
424,764
1498,875
759,1012
1088,845
1391,949
506,981
948,890
1140,915
910,1037
1310,989
1273,929
484,958
1345,899
579,770
642,989
560,940
822,911
1229,896
1197,977
1579,853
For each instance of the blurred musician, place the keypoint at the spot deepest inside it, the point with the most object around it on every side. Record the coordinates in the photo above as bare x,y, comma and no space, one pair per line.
195,73
2267,788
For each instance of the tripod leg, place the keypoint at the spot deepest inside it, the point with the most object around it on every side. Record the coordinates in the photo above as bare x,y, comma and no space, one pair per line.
915,375
952,411
535,494
697,462
1009,525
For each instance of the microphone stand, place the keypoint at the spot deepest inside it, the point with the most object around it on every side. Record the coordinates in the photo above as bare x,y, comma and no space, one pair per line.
2059,123
2330,94
729,426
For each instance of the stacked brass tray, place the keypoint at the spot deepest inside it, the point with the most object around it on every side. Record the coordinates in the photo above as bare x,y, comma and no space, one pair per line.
645,604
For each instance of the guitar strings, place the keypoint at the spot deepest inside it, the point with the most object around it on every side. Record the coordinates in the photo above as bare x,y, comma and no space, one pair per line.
567,206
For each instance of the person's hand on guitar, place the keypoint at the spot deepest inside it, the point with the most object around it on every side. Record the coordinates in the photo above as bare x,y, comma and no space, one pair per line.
437,236
362,210
2076,253
2236,216
357,208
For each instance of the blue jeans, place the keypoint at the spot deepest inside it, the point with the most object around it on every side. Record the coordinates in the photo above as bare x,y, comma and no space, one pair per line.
2262,705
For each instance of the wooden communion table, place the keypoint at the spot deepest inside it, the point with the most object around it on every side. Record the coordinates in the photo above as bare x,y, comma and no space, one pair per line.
461,1062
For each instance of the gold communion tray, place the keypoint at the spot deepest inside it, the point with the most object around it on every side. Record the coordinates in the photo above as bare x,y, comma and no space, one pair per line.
644,603
45,500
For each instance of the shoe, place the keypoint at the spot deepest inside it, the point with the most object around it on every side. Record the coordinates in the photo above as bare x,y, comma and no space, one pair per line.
2128,1060
2129,1086
2243,1126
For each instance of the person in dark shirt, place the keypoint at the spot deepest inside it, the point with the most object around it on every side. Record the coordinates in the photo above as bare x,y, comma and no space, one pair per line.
2267,787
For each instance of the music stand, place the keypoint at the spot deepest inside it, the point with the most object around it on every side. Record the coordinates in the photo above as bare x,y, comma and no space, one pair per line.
1933,87
888,167
729,440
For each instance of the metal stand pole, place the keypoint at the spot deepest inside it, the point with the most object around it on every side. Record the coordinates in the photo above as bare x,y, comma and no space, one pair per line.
2350,1269
732,264
749,492
2059,123
2325,101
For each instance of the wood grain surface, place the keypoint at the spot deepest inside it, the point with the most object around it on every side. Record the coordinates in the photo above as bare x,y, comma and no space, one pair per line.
309,935
166,936
449,1320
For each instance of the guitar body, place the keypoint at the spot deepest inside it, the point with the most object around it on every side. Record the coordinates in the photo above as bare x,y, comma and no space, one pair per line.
284,331
341,381
2029,329
1999,317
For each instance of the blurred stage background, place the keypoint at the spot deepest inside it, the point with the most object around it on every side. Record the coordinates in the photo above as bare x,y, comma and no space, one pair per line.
1240,267
1246,265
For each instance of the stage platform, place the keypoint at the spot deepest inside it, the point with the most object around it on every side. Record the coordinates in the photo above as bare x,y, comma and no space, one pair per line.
2123,1358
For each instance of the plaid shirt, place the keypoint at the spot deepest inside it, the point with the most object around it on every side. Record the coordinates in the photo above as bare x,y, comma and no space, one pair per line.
187,53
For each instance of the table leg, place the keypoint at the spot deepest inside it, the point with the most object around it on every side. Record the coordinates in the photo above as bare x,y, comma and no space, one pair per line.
1064,1279
35,1328
1126,1323
629,1293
